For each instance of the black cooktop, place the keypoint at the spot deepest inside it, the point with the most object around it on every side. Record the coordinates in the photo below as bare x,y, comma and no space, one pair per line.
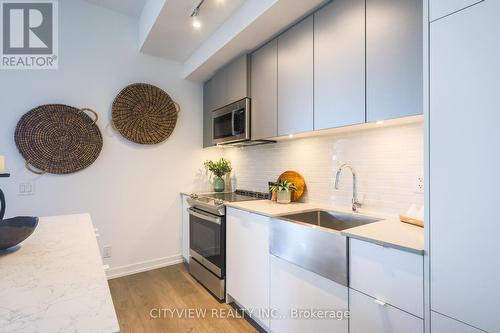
237,196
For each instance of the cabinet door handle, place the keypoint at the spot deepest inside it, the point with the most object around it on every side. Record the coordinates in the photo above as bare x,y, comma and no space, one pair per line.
379,302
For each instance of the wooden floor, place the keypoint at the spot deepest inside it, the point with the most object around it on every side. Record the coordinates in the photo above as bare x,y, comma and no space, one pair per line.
173,290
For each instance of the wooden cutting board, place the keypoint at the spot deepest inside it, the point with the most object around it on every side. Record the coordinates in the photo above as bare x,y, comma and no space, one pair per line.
411,220
297,180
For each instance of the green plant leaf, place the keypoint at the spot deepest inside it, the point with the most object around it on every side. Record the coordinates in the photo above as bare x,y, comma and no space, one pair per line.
219,168
285,185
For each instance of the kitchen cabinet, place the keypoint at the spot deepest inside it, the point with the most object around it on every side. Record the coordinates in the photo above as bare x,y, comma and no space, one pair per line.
294,288
440,8
230,83
389,275
464,136
339,64
219,89
371,315
238,79
394,61
185,227
295,78
208,106
442,324
247,262
264,91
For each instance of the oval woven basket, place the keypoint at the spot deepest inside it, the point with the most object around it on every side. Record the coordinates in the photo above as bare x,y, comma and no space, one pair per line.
58,139
144,114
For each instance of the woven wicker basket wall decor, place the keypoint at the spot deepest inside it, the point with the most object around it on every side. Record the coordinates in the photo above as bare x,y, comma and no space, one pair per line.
144,114
58,139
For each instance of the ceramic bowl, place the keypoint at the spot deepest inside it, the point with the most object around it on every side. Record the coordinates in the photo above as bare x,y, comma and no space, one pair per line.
15,230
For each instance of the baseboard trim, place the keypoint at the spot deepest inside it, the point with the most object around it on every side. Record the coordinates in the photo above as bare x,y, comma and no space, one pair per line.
143,266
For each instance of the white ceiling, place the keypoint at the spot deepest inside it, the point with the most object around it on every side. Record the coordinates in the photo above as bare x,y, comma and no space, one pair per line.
129,7
256,22
173,36
229,28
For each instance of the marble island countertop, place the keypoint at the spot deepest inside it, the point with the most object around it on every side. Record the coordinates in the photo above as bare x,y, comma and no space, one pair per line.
55,281
388,232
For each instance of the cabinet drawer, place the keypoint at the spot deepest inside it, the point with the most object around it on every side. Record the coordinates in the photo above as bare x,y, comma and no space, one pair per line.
370,315
294,288
389,275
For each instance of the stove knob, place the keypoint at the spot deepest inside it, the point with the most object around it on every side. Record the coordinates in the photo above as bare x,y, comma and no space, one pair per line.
193,196
219,202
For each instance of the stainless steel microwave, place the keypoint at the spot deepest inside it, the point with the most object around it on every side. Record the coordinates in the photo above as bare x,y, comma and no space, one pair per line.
231,123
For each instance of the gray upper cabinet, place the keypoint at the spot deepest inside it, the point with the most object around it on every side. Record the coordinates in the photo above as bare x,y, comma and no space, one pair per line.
440,8
238,79
295,79
231,82
264,91
339,64
219,89
208,106
351,62
394,48
464,136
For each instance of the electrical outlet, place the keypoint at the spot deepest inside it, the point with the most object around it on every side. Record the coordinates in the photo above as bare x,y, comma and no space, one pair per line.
419,184
107,251
27,188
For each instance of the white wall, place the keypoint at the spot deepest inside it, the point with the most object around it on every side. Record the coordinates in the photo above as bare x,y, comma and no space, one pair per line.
131,190
387,161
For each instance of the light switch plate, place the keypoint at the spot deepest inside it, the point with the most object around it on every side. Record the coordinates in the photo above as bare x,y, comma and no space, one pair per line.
26,188
107,251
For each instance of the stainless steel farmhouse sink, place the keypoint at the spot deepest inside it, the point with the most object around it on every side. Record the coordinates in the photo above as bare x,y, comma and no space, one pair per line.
312,240
330,219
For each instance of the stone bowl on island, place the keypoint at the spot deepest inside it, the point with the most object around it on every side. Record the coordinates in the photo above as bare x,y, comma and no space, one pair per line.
15,230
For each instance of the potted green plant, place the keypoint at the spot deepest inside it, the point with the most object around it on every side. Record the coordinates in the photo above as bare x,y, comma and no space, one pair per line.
219,169
283,191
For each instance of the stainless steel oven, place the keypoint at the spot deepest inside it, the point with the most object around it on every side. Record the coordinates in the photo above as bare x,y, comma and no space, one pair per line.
207,247
232,123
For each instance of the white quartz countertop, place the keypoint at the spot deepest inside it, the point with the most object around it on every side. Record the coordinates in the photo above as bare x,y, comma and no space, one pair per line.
388,232
271,208
55,281
391,233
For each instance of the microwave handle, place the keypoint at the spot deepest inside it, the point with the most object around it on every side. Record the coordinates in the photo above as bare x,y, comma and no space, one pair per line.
216,220
232,122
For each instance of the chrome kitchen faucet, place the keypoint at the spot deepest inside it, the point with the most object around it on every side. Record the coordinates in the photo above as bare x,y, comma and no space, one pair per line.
355,203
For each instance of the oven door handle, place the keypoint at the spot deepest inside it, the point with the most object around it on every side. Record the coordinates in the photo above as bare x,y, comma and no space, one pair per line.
216,220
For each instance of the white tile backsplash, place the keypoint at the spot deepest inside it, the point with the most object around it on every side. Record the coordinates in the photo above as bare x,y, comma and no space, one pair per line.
387,161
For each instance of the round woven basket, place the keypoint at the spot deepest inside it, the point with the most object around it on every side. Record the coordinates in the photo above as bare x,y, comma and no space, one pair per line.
58,139
144,114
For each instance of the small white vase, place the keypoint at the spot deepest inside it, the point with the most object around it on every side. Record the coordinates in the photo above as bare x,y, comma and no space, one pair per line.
284,197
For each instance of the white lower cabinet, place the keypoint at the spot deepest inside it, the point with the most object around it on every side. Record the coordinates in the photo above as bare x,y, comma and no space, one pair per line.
298,294
386,294
390,275
370,315
247,262
386,289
